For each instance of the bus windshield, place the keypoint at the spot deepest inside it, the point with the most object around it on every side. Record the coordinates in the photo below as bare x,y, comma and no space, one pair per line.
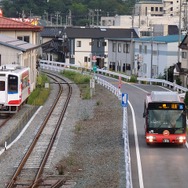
166,119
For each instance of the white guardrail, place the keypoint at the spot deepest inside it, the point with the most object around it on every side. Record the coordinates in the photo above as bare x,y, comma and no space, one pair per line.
55,66
59,66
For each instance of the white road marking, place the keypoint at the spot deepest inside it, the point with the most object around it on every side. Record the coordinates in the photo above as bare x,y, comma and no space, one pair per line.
140,176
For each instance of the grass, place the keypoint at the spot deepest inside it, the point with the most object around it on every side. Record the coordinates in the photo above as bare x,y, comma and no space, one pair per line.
40,94
69,165
83,81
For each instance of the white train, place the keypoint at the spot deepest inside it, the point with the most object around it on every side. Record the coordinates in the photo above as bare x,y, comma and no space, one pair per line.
14,87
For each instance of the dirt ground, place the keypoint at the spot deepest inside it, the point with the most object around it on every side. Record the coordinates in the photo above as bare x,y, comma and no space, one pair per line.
97,160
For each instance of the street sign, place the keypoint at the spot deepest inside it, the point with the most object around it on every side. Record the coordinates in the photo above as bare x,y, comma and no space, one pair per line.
124,101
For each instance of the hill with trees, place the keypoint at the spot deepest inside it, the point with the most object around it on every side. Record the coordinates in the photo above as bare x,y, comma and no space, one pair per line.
80,11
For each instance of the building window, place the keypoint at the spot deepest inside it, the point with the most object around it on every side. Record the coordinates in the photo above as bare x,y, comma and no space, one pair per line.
140,48
98,43
124,48
155,70
114,47
85,59
184,55
127,48
145,49
119,47
128,66
144,68
161,9
152,9
156,9
24,38
155,52
78,44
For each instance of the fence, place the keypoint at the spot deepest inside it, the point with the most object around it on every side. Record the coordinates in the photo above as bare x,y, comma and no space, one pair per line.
58,66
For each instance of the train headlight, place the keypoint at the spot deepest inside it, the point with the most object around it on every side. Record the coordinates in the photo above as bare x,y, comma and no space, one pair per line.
181,139
151,138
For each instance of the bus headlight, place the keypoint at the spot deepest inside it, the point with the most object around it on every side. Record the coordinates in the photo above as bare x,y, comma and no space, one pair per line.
151,138
181,138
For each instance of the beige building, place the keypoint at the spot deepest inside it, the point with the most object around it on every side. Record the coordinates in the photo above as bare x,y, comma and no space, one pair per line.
150,8
20,43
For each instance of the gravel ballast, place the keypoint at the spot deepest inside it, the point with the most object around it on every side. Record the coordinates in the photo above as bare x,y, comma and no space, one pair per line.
89,149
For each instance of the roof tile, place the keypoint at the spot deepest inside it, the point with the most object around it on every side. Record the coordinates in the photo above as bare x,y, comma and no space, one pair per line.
10,24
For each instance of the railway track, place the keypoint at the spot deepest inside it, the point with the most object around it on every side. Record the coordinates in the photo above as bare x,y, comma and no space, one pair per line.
29,173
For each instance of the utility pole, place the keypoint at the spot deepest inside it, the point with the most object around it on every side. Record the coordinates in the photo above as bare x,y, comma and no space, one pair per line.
97,10
151,54
179,31
69,18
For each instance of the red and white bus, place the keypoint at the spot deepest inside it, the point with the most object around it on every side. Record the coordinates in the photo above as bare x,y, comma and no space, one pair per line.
165,118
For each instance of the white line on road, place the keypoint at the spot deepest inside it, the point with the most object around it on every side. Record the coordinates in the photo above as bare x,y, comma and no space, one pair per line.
140,177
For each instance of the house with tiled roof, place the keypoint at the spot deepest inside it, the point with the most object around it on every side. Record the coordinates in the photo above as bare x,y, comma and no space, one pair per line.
87,46
20,43
15,51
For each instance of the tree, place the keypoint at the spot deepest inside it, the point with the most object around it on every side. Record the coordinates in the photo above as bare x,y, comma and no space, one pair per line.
79,8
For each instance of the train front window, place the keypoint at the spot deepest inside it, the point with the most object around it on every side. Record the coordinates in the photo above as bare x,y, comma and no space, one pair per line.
12,84
166,118
2,85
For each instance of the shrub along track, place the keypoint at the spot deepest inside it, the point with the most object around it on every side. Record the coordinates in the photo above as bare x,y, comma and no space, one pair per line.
30,170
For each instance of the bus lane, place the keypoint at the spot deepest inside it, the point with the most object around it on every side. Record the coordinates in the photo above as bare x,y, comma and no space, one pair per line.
162,165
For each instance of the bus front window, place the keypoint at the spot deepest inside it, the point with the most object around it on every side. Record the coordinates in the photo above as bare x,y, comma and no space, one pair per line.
166,118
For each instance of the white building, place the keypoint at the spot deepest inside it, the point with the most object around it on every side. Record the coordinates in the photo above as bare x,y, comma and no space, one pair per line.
155,54
149,16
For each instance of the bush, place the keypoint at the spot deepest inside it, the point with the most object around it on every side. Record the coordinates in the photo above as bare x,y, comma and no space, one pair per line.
133,78
83,82
40,94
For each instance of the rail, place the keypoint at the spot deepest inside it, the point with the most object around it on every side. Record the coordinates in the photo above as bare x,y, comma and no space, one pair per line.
116,91
59,66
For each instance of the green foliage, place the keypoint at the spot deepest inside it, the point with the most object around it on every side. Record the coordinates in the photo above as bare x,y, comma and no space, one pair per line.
40,94
178,81
133,78
79,9
83,82
41,80
76,77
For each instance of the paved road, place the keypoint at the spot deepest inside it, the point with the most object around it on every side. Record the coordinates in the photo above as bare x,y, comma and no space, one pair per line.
164,166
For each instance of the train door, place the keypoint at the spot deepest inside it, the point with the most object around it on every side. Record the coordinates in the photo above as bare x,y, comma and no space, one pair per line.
3,95
13,97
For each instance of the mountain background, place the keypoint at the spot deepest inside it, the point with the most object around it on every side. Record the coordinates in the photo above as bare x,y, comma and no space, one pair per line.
80,11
